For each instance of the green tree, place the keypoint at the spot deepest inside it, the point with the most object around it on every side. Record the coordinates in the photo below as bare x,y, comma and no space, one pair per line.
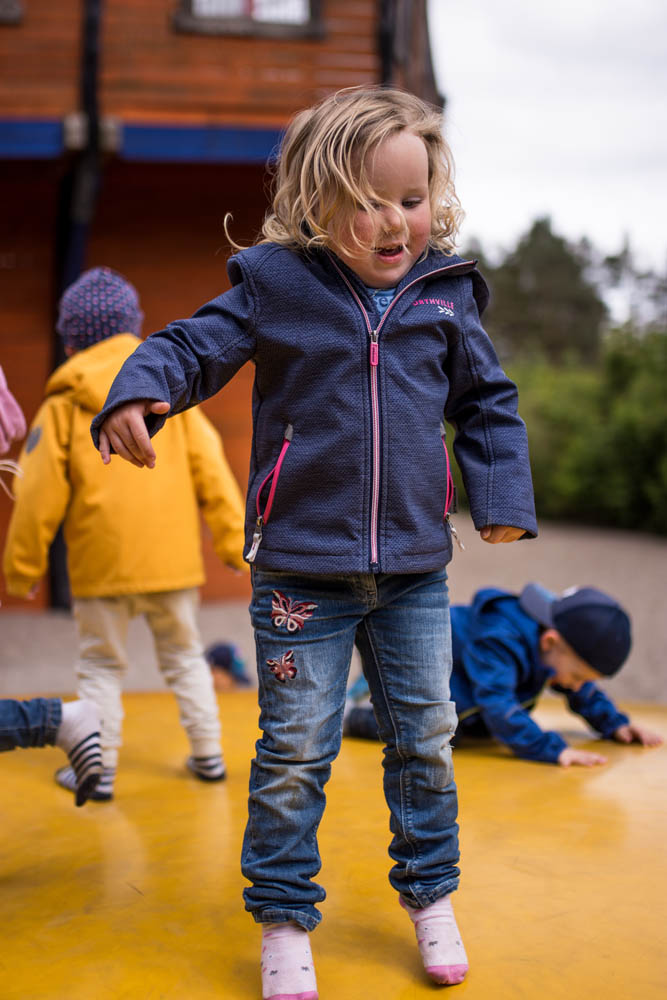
542,301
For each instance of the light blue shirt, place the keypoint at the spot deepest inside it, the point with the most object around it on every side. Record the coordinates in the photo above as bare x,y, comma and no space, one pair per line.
382,297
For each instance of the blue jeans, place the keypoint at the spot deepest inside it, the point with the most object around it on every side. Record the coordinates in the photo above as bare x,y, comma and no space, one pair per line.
31,723
305,629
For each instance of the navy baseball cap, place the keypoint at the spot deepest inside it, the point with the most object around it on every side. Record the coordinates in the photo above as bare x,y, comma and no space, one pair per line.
591,622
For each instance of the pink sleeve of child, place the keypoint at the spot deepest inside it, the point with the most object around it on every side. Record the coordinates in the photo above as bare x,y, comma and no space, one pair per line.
12,421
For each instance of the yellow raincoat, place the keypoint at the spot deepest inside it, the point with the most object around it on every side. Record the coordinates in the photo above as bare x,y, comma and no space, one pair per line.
127,530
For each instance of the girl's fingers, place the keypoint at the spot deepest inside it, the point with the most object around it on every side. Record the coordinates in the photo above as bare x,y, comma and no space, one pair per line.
138,443
125,432
105,447
118,445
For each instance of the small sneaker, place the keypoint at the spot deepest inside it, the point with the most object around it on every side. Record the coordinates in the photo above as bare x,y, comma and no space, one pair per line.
101,791
207,768
79,736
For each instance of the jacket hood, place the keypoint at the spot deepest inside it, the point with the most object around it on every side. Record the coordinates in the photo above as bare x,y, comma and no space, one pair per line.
486,599
88,374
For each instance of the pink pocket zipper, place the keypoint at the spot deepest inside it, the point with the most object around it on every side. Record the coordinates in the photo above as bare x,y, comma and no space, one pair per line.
274,474
450,492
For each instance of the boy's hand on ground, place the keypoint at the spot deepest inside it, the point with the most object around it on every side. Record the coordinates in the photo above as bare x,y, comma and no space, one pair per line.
125,431
584,758
495,533
637,734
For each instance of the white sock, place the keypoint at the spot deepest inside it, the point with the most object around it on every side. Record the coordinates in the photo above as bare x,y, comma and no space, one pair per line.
439,941
79,736
208,768
288,972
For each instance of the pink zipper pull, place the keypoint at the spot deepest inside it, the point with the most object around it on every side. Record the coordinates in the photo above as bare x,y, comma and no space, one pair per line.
374,348
256,540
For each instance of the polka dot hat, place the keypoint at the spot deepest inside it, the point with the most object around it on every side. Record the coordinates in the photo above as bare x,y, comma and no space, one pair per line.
98,305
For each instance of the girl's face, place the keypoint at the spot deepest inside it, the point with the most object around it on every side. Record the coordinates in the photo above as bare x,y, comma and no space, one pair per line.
397,171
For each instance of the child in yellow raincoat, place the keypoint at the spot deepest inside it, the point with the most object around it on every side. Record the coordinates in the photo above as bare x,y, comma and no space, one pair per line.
133,540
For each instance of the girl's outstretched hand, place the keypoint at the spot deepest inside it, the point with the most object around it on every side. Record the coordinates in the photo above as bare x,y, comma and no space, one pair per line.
125,432
495,533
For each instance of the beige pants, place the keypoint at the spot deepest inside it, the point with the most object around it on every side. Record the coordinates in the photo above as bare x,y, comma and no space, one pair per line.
172,619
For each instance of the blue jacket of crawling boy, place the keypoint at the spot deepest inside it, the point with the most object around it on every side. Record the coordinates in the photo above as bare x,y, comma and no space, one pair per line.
497,676
348,469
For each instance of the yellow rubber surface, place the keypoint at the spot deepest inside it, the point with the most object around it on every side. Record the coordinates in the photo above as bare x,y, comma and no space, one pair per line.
563,894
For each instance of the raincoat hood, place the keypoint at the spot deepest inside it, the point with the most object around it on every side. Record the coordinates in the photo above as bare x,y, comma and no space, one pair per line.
88,374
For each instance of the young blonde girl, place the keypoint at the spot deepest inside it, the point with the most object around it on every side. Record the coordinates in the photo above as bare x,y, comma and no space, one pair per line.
364,329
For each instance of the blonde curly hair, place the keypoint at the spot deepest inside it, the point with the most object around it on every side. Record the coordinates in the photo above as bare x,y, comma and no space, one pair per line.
320,180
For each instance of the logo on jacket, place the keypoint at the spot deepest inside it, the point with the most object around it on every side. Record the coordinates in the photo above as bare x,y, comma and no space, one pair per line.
444,306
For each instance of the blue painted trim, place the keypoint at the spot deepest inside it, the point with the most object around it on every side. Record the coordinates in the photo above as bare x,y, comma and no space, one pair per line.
178,144
31,140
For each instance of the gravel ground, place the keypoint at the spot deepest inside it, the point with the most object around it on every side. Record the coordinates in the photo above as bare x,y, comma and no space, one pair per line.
38,649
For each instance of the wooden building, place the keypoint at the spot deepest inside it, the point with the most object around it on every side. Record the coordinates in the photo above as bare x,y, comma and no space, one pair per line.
129,128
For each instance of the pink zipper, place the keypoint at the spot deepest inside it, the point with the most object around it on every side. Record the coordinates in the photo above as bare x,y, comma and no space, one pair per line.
449,492
374,355
375,411
274,474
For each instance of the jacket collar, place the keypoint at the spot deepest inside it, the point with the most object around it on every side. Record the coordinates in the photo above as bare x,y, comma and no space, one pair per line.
433,262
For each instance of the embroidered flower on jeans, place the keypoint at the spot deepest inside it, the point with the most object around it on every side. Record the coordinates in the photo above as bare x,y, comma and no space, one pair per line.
283,668
291,614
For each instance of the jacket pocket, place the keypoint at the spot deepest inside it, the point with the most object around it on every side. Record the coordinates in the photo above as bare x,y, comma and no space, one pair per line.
450,489
270,481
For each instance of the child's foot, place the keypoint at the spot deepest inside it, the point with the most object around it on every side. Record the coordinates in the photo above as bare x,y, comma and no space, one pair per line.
288,972
79,736
439,941
207,768
101,792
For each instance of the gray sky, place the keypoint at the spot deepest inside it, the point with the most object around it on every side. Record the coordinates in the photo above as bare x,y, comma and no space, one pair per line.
561,110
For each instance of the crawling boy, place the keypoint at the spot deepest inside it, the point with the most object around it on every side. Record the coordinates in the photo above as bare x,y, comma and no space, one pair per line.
506,649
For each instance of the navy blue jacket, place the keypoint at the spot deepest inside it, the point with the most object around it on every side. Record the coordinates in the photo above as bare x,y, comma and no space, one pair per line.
348,469
497,676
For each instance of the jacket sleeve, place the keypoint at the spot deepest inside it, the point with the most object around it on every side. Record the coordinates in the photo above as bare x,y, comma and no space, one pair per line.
491,445
596,708
492,664
188,361
42,495
217,491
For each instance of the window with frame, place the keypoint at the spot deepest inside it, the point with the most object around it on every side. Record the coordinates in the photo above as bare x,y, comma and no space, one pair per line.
11,11
275,18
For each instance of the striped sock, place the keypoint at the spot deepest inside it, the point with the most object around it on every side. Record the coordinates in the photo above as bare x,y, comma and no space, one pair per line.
288,972
79,736
102,792
207,768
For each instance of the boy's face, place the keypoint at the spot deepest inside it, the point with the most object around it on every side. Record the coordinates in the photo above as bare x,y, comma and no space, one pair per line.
570,671
397,235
